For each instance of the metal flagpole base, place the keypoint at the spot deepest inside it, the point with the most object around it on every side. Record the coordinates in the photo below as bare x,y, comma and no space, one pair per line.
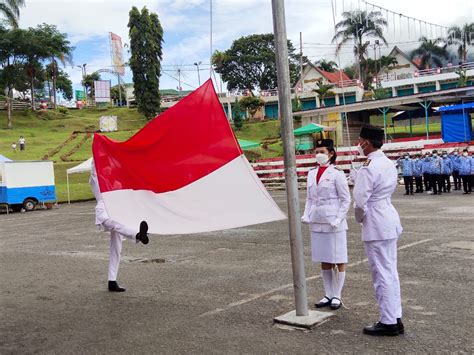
313,318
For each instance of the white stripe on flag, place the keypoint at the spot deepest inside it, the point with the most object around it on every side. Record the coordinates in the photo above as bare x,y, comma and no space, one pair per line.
230,197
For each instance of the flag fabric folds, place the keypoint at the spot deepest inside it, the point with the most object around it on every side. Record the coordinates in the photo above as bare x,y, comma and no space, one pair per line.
184,172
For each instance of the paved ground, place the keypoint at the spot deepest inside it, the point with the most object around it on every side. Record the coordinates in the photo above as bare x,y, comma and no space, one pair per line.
219,292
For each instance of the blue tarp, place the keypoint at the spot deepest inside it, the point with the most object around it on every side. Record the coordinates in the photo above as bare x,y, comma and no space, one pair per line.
456,124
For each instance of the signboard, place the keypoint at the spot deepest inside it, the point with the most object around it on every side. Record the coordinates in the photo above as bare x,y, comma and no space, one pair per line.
102,90
117,53
108,123
80,96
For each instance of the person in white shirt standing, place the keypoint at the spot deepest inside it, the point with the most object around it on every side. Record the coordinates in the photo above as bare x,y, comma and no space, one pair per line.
21,142
375,183
118,232
327,203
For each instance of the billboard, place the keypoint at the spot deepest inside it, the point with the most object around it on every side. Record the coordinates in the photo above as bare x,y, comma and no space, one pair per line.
102,90
80,96
116,53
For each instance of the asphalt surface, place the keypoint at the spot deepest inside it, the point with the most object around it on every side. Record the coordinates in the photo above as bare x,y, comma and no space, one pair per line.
219,292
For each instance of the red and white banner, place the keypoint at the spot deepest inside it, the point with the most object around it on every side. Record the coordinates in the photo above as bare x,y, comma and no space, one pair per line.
184,172
117,53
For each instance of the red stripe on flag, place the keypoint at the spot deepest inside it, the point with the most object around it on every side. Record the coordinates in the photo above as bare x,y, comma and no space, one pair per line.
185,143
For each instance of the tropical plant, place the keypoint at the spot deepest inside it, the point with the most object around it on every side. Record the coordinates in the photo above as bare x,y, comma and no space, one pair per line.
252,104
326,65
88,83
146,39
323,91
431,52
237,114
463,37
356,27
10,11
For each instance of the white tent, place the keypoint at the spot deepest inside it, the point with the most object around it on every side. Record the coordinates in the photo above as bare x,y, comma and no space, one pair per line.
84,167
4,158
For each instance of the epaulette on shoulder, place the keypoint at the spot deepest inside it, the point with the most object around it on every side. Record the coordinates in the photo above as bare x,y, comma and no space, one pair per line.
367,162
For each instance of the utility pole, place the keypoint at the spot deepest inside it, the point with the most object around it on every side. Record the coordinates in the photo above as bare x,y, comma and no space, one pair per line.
120,90
301,54
199,76
291,178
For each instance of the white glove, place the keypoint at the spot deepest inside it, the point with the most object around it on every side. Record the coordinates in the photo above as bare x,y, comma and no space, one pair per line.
336,223
305,220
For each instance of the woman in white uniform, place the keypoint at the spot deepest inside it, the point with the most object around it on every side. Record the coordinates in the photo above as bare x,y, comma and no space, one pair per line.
327,202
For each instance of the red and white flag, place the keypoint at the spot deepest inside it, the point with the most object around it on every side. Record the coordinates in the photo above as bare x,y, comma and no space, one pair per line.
184,172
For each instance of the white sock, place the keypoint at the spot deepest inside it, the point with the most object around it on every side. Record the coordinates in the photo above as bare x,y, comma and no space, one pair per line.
339,278
327,282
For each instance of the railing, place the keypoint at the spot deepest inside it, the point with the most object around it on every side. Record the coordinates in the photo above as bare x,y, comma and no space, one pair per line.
426,72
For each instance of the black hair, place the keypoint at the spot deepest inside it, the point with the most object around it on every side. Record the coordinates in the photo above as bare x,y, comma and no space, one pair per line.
376,144
332,160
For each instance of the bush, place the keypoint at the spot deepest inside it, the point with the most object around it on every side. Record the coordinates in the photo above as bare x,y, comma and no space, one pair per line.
63,110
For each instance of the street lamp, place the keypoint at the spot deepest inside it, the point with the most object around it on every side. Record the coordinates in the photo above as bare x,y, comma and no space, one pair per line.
197,66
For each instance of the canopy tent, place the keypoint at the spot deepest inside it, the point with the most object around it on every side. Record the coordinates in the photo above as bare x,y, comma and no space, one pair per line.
308,129
244,144
84,167
456,124
304,140
4,158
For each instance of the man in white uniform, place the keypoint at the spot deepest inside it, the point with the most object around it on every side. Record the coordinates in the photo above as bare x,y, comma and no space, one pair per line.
118,232
374,185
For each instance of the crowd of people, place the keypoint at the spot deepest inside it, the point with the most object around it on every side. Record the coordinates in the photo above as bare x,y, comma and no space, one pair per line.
433,172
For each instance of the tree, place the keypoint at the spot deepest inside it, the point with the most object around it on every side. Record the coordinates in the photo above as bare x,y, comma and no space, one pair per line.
64,84
146,38
323,91
252,104
374,67
237,114
356,27
327,65
431,52
115,94
10,9
462,37
88,83
250,63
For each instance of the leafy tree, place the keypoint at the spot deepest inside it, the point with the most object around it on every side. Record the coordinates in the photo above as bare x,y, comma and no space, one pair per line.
381,93
356,27
250,63
252,104
64,84
462,37
10,11
88,83
146,38
237,114
351,71
327,65
431,52
374,67
115,94
323,91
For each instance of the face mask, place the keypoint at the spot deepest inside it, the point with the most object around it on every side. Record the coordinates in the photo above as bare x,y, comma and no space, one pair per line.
445,156
360,150
322,159
435,155
464,154
407,158
417,159
455,153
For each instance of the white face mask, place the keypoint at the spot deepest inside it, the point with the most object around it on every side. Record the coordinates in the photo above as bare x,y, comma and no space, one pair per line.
464,154
322,159
360,150
435,155
455,153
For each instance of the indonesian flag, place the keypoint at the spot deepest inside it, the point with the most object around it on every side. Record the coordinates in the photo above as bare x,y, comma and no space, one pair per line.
184,172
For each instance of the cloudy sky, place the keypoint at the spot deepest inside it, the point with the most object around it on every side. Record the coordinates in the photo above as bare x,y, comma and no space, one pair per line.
186,25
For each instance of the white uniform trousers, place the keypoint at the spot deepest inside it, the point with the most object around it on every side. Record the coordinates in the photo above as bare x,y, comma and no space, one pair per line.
382,256
117,233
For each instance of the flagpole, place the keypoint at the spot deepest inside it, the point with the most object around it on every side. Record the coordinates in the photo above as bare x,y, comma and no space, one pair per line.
291,178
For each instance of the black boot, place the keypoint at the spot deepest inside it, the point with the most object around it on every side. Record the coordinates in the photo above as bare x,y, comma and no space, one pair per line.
142,236
114,287
401,328
382,329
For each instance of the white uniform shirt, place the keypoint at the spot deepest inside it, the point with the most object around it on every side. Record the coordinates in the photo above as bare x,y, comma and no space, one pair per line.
327,200
101,214
373,188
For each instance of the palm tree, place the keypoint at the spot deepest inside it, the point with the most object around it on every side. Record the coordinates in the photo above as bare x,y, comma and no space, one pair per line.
431,52
356,27
323,91
462,37
327,65
10,9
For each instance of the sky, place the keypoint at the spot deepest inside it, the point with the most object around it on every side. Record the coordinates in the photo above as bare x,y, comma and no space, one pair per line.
187,29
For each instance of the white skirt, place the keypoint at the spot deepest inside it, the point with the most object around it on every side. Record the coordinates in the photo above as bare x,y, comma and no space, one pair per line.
329,247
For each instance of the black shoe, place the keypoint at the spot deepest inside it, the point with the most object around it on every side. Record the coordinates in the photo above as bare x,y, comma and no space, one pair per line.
411,193
406,193
142,236
382,329
336,305
114,287
323,303
401,328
